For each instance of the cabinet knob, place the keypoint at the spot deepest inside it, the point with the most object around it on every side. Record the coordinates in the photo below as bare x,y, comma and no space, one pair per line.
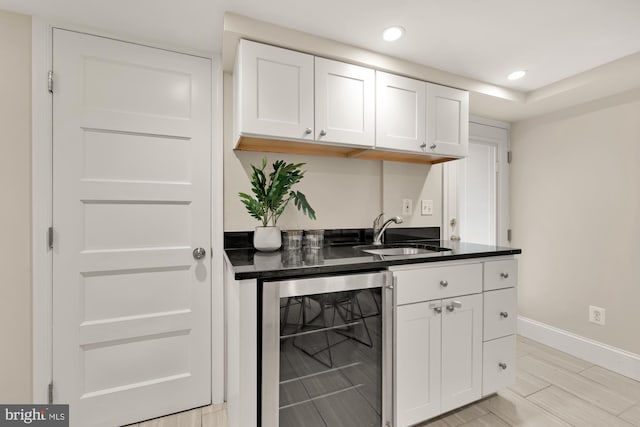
444,283
436,308
423,146
454,305
504,275
308,131
432,146
502,365
504,314
323,132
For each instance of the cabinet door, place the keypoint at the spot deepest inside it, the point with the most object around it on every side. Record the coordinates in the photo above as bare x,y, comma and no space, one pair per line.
400,113
447,121
345,103
461,351
416,362
274,92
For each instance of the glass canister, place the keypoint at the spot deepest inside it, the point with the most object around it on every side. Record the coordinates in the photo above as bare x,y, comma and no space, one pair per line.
314,239
292,239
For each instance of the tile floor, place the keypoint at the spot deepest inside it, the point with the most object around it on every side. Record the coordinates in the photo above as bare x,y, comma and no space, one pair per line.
552,389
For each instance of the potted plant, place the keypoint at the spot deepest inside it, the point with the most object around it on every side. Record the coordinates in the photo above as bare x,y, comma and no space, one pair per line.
271,195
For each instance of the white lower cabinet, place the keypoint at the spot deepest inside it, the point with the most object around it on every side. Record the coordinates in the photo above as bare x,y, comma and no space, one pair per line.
450,348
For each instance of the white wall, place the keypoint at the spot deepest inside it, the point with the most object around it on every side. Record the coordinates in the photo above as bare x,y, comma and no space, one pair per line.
575,191
15,214
345,193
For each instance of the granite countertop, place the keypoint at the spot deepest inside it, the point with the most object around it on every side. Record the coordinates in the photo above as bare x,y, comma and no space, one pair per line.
340,256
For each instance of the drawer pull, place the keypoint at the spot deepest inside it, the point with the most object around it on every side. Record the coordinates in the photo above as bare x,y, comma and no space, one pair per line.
502,366
504,275
504,314
444,283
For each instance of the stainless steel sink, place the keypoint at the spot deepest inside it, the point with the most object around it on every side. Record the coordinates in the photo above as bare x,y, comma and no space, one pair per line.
399,249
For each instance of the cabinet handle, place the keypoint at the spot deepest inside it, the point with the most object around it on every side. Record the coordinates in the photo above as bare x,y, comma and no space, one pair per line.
423,146
323,132
444,283
454,305
504,314
504,275
436,308
432,146
502,366
308,131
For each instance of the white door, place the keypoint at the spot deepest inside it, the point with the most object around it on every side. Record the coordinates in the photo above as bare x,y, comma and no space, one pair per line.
276,92
476,207
461,351
345,103
131,201
400,113
417,362
447,120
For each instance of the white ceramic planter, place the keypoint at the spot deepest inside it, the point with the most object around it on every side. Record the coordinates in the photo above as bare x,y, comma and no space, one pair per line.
267,239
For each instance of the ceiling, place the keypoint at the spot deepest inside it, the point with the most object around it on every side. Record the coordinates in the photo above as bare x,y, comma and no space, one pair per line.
480,39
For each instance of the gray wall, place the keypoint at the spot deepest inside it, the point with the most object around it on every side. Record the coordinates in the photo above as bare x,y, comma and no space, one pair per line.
15,215
575,212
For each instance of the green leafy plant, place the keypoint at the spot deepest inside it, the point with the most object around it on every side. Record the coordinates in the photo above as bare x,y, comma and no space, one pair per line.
273,193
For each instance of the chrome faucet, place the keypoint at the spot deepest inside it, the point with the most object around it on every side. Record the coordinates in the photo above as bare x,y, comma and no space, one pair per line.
378,230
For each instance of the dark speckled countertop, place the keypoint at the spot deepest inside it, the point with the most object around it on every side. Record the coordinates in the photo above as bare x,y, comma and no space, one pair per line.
340,256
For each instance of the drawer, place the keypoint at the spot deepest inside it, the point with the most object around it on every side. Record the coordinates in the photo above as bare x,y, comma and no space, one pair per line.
498,364
424,284
499,313
500,274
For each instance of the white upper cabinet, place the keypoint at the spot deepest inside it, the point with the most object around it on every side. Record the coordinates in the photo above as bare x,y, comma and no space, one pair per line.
291,102
274,92
447,121
345,103
400,113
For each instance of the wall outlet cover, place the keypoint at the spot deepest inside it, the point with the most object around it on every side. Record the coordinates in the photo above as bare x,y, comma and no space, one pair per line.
597,315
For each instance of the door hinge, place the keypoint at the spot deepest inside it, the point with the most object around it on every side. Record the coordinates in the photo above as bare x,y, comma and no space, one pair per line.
50,237
509,235
50,81
509,156
50,392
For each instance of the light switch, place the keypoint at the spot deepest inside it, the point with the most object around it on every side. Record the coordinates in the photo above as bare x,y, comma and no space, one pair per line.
426,207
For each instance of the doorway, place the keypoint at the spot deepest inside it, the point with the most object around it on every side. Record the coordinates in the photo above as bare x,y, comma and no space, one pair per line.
476,188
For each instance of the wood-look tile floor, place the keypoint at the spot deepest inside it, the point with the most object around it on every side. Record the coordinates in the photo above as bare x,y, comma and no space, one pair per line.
552,389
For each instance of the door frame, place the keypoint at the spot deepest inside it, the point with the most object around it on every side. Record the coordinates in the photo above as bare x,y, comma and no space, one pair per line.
42,203
449,186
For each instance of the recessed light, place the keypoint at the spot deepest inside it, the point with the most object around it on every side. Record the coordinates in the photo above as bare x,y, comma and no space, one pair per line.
516,75
393,33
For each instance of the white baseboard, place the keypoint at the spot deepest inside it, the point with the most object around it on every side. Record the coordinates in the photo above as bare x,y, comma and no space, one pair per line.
609,357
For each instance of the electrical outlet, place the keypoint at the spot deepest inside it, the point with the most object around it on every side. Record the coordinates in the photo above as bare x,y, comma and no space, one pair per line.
426,207
407,206
597,315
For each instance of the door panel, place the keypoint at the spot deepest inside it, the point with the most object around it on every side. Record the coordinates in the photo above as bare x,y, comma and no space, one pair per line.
131,185
277,91
461,351
400,112
417,362
345,103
